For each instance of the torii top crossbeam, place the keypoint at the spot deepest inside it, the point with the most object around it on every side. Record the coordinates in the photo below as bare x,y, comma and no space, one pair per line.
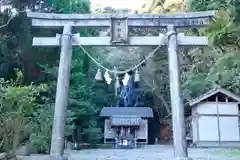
182,20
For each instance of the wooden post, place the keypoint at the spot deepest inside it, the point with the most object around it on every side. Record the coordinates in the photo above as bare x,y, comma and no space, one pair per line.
115,86
178,124
218,121
57,144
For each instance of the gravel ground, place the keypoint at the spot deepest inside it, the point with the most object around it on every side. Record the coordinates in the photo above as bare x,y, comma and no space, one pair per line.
154,152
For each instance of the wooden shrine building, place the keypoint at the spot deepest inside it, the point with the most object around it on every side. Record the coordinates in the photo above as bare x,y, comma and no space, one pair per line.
124,125
215,119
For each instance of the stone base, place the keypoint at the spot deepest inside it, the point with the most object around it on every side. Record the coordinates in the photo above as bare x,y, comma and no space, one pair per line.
56,158
182,158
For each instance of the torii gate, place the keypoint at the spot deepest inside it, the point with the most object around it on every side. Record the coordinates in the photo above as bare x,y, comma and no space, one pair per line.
119,28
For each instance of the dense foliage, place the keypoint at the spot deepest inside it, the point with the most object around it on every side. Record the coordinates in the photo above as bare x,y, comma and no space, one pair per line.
39,66
219,63
17,107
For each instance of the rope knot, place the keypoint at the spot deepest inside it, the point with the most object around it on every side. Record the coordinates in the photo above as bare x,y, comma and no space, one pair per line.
170,33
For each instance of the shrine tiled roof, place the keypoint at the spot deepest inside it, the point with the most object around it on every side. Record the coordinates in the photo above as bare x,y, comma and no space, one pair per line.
125,121
144,112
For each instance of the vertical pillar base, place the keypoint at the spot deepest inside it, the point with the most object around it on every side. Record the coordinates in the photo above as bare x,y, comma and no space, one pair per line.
57,158
182,158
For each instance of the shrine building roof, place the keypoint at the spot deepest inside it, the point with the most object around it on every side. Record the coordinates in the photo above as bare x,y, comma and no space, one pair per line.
143,112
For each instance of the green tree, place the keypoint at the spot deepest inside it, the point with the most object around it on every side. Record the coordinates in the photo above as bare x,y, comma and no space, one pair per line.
217,64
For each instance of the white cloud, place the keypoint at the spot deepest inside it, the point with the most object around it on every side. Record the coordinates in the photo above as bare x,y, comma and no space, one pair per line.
118,4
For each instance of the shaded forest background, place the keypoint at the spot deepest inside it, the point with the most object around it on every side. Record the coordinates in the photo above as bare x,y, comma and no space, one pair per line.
27,87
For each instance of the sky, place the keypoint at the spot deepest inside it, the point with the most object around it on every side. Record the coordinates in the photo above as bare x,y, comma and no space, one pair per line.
118,4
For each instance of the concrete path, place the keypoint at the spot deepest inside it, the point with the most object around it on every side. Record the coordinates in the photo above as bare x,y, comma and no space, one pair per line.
147,153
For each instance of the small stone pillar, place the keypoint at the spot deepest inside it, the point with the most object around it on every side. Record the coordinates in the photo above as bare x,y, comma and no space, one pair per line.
116,142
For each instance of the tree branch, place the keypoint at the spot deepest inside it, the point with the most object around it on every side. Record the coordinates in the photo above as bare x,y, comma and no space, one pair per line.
164,102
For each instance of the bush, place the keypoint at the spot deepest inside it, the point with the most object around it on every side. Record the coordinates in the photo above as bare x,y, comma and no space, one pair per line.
93,135
40,137
17,104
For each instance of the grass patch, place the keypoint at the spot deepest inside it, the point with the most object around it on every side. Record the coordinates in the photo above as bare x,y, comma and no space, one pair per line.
229,153
93,146
100,146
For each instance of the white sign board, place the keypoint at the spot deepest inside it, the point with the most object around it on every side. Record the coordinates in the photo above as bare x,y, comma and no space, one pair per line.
119,30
